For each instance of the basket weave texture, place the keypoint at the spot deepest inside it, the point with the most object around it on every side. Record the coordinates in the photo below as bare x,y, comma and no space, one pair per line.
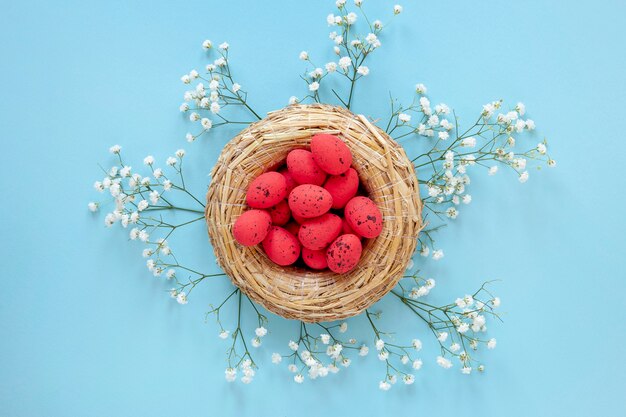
386,173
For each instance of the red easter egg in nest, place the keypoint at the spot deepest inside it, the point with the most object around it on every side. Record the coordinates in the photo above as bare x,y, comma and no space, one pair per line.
331,154
364,217
314,259
344,253
251,227
281,246
291,183
280,213
320,232
266,190
342,187
309,201
303,168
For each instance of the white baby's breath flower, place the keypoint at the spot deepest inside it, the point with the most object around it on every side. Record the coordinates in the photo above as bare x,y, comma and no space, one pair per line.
186,79
256,342
442,336
325,338
491,344
437,254
417,364
351,18
304,55
542,149
224,334
260,331
207,44
523,177
466,370
299,379
181,298
397,9
345,62
343,327
363,70
493,170
380,344
230,374
314,86
404,118
331,67
417,344
224,46
358,3
443,362
293,345
363,350
93,207
384,385
276,358
293,100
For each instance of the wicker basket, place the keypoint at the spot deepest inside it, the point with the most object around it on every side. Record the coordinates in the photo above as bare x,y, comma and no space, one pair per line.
387,175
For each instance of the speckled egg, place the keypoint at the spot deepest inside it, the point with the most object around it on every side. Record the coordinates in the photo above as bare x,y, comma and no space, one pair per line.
252,227
342,187
281,246
303,168
266,190
320,232
331,154
364,217
280,213
314,259
344,253
309,201
291,183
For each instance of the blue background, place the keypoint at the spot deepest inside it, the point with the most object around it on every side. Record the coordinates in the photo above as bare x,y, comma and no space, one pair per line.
86,331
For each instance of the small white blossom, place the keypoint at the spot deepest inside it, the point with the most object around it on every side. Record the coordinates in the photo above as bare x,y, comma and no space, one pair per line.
363,350
181,298
314,86
493,170
299,379
397,9
304,55
224,46
417,364
443,362
466,370
260,331
491,344
523,177
404,118
363,70
224,334
345,62
293,345
325,338
207,44
276,358
437,254
384,385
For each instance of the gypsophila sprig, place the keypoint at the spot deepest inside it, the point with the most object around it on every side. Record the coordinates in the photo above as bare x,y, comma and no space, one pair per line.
147,198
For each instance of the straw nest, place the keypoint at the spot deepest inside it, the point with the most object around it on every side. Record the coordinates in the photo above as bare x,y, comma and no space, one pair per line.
387,175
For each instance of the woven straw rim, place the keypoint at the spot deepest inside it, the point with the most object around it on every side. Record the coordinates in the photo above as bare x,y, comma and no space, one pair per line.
386,173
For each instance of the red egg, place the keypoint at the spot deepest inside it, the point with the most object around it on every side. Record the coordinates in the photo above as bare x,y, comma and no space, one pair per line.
291,183
266,190
303,168
364,217
345,228
342,187
251,227
331,154
314,259
280,213
344,253
281,246
319,232
309,201
293,228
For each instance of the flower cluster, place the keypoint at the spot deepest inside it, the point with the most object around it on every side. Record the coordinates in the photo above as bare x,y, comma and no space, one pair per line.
141,202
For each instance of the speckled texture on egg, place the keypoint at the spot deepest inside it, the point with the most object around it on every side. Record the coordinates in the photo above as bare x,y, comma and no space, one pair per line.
344,253
319,232
252,227
342,187
281,246
309,201
364,217
314,259
280,213
266,190
303,168
331,154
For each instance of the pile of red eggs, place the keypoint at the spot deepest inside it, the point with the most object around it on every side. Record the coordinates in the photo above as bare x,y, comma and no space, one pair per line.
310,208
